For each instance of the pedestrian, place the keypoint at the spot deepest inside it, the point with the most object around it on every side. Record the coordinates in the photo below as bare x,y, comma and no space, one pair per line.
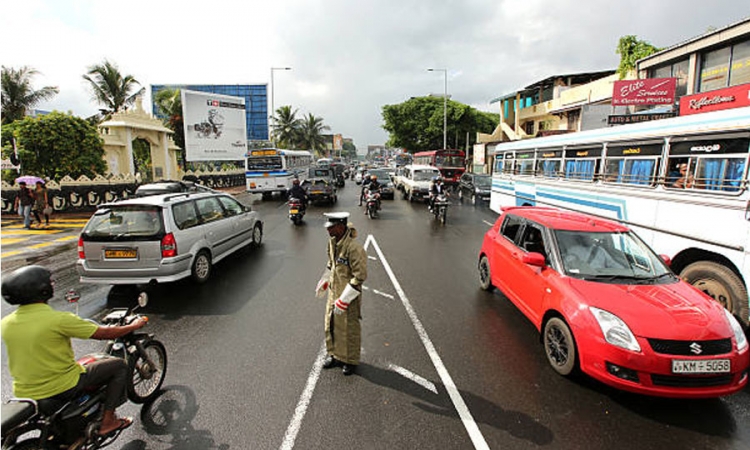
345,272
24,202
41,204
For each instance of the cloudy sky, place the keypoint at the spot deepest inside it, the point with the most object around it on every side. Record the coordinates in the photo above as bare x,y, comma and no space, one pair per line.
348,57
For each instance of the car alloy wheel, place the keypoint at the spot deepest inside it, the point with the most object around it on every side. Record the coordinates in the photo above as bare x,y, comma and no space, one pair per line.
202,267
485,279
258,234
560,346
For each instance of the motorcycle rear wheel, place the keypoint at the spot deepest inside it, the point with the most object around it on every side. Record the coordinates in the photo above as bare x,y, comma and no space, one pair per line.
143,388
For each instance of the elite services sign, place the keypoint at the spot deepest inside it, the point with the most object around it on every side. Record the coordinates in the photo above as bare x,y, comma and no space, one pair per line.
649,91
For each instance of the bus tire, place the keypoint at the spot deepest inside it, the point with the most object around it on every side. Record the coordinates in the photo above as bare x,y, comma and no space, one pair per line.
720,283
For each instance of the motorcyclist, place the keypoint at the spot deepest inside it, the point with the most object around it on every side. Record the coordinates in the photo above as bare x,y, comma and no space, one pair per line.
436,188
40,354
299,193
373,186
365,182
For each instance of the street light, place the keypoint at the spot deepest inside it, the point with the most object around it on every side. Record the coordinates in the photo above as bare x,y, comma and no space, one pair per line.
273,111
445,106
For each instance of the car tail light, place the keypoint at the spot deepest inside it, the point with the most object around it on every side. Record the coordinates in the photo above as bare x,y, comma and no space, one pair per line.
168,246
81,253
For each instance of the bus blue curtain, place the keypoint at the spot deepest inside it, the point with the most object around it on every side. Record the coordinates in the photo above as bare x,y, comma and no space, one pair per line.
731,169
549,169
641,171
579,169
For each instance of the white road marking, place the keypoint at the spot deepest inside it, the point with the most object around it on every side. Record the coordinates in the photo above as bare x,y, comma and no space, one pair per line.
425,383
375,291
372,258
488,223
304,401
458,402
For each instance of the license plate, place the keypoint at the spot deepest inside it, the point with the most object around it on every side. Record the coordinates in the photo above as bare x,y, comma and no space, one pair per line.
293,211
701,366
317,192
120,253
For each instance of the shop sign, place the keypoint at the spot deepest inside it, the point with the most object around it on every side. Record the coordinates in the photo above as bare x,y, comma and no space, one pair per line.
728,98
649,91
636,118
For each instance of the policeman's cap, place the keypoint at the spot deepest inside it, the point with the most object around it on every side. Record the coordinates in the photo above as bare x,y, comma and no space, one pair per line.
336,217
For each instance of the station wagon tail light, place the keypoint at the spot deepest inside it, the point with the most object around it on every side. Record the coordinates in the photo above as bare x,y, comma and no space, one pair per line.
739,335
81,253
616,332
168,246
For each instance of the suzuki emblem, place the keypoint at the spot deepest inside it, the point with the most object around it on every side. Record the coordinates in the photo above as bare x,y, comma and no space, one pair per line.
696,348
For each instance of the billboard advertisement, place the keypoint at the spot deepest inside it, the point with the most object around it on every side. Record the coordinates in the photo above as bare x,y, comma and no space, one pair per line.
731,97
215,126
649,91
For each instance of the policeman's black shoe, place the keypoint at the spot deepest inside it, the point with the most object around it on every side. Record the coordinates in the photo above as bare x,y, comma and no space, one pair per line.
329,362
349,369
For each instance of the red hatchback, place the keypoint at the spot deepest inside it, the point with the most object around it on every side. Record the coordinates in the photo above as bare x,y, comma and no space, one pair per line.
606,304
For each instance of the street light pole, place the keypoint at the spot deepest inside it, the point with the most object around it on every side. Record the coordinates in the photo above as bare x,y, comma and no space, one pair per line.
445,105
273,111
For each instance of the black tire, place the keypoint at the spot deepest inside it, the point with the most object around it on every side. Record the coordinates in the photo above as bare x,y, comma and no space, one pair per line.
720,283
202,268
443,214
140,389
460,195
485,274
29,444
474,199
404,194
560,346
257,238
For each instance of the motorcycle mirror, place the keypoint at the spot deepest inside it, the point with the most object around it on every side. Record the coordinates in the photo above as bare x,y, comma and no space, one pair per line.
142,299
72,296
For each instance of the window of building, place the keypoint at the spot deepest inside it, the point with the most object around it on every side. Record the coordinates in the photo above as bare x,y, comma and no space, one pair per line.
714,69
740,69
680,71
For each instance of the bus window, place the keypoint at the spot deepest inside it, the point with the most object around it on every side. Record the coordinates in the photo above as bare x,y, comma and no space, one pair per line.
719,174
508,167
526,167
630,171
549,168
580,169
499,165
712,163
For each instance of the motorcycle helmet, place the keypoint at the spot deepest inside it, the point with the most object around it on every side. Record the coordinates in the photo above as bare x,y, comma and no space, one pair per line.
26,285
374,177
295,182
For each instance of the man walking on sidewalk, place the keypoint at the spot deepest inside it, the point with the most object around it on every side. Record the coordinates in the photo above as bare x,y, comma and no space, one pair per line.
23,204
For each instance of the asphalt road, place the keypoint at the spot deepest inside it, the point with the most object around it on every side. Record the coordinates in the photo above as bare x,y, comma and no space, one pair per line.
444,364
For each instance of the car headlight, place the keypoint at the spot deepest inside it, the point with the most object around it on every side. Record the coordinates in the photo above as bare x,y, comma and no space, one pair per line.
615,331
739,333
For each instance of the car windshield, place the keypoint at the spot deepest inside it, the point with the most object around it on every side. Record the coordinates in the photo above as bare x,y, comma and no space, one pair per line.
449,161
320,173
483,182
609,256
129,222
425,175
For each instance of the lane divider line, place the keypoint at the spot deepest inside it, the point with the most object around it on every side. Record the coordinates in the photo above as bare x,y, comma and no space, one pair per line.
458,402
488,223
375,291
304,401
425,383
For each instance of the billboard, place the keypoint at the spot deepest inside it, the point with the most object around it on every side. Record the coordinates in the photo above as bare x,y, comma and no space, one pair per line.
649,91
731,97
215,126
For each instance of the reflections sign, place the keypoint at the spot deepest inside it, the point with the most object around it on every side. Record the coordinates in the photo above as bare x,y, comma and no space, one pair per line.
649,91
732,97
215,126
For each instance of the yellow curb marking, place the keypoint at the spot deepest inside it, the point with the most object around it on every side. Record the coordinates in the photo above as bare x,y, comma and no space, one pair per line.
13,253
8,241
43,244
66,238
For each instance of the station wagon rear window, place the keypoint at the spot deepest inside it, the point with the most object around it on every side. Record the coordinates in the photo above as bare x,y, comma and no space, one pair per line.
125,223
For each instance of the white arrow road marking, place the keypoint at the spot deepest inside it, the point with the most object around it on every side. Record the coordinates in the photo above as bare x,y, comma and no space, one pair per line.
458,402
425,383
372,258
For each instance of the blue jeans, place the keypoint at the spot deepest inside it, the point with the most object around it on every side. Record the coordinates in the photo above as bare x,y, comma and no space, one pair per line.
25,211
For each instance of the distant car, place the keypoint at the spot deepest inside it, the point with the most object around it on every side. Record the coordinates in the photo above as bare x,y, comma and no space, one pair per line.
321,185
164,238
169,186
384,178
474,187
607,305
414,181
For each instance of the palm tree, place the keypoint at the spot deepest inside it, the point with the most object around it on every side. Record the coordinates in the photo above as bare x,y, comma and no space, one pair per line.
111,88
286,127
18,95
169,104
312,132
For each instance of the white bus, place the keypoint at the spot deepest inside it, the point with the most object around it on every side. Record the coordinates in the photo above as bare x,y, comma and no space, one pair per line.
270,170
682,183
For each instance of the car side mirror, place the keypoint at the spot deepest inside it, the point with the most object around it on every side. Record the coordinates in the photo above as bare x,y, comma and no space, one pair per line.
534,259
667,260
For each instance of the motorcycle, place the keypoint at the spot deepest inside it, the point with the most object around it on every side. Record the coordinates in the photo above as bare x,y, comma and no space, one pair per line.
296,210
440,207
28,424
372,203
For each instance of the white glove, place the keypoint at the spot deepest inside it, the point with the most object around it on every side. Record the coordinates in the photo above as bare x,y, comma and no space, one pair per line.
342,303
322,286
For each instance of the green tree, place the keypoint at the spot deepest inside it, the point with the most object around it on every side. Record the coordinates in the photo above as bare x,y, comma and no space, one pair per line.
631,50
286,128
169,104
112,89
55,145
349,150
311,133
417,124
18,95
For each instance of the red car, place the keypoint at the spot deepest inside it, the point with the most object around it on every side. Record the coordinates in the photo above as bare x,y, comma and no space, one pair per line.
608,306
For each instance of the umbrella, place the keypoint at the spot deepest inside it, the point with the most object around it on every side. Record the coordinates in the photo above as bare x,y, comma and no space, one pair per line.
29,179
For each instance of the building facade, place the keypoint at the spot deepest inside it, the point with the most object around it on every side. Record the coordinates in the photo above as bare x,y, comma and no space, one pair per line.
256,103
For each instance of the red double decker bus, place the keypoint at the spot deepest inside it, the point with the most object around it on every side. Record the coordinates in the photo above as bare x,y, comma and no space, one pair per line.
451,163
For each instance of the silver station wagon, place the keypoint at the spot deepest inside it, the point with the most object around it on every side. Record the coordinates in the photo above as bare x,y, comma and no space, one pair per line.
164,238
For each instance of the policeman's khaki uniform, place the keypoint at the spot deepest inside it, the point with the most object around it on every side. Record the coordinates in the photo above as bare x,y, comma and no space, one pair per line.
347,262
